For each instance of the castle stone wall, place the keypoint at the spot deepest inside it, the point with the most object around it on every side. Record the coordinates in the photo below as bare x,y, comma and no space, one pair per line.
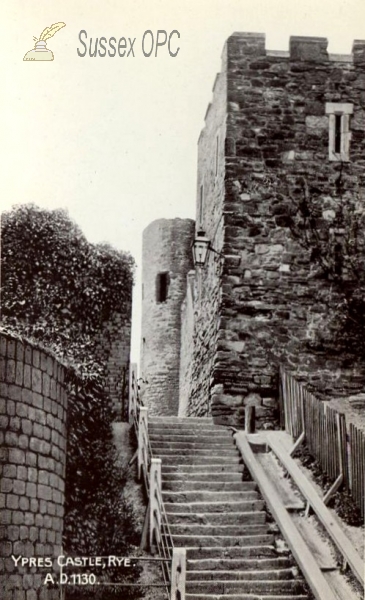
33,408
167,251
209,217
187,344
261,303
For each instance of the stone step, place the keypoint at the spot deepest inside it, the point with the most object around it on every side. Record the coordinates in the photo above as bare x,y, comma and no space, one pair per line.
210,541
226,552
209,440
239,564
192,437
217,530
189,485
211,476
265,575
246,597
218,451
214,507
181,459
208,496
174,428
204,469
176,419
248,587
217,518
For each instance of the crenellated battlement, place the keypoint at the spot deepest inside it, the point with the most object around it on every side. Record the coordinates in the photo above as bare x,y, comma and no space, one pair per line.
301,48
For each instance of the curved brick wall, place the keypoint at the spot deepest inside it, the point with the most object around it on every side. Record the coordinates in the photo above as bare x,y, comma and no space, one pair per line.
166,249
33,407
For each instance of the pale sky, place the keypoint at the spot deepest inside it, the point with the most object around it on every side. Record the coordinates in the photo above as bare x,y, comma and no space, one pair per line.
114,140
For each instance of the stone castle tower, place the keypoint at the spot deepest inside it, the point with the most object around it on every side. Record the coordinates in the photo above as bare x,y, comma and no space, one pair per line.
166,260
281,125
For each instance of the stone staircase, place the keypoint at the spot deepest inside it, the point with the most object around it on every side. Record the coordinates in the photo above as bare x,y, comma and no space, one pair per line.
219,517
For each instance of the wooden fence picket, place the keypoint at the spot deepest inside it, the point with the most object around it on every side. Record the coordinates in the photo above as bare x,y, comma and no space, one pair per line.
337,448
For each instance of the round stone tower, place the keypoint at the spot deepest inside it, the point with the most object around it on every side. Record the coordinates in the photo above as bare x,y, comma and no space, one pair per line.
166,260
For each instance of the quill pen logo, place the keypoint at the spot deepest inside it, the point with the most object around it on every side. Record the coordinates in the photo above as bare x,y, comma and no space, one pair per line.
40,50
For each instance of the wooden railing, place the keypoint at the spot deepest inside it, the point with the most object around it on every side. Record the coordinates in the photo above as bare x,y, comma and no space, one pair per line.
156,534
340,451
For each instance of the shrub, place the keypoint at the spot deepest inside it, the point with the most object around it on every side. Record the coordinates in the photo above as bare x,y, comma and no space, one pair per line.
58,290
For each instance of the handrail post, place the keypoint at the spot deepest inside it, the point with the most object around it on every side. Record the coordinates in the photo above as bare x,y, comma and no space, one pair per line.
133,391
155,495
142,434
178,574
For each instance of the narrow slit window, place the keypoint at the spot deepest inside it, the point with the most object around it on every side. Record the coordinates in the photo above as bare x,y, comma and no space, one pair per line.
338,120
162,286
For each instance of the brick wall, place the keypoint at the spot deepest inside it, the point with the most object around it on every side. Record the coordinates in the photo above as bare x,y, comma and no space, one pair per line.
166,249
113,351
33,407
261,304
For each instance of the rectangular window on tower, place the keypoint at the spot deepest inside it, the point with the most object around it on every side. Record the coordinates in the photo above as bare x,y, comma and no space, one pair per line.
162,286
339,130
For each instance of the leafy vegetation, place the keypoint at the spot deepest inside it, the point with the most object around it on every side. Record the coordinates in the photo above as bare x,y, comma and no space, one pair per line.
59,290
331,229
57,287
341,500
99,521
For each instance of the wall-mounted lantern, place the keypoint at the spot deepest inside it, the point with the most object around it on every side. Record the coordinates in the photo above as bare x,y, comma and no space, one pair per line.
201,246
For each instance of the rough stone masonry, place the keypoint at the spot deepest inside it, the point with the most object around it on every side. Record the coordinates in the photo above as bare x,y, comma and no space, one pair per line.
276,118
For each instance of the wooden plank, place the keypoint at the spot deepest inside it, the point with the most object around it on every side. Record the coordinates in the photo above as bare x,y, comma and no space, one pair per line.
250,419
359,460
306,561
322,512
310,426
353,466
329,445
345,451
356,465
325,445
318,546
281,400
363,473
285,401
290,498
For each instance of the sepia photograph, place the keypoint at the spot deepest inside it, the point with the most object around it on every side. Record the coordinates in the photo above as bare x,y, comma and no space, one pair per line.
182,336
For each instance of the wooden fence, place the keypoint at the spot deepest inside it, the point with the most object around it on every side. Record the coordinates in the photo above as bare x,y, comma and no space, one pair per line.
339,450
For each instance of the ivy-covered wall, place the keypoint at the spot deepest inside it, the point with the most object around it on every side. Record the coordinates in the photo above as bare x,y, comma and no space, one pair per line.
73,296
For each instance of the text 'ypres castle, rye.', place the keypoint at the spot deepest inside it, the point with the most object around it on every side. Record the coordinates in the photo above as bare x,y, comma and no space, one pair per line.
282,127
